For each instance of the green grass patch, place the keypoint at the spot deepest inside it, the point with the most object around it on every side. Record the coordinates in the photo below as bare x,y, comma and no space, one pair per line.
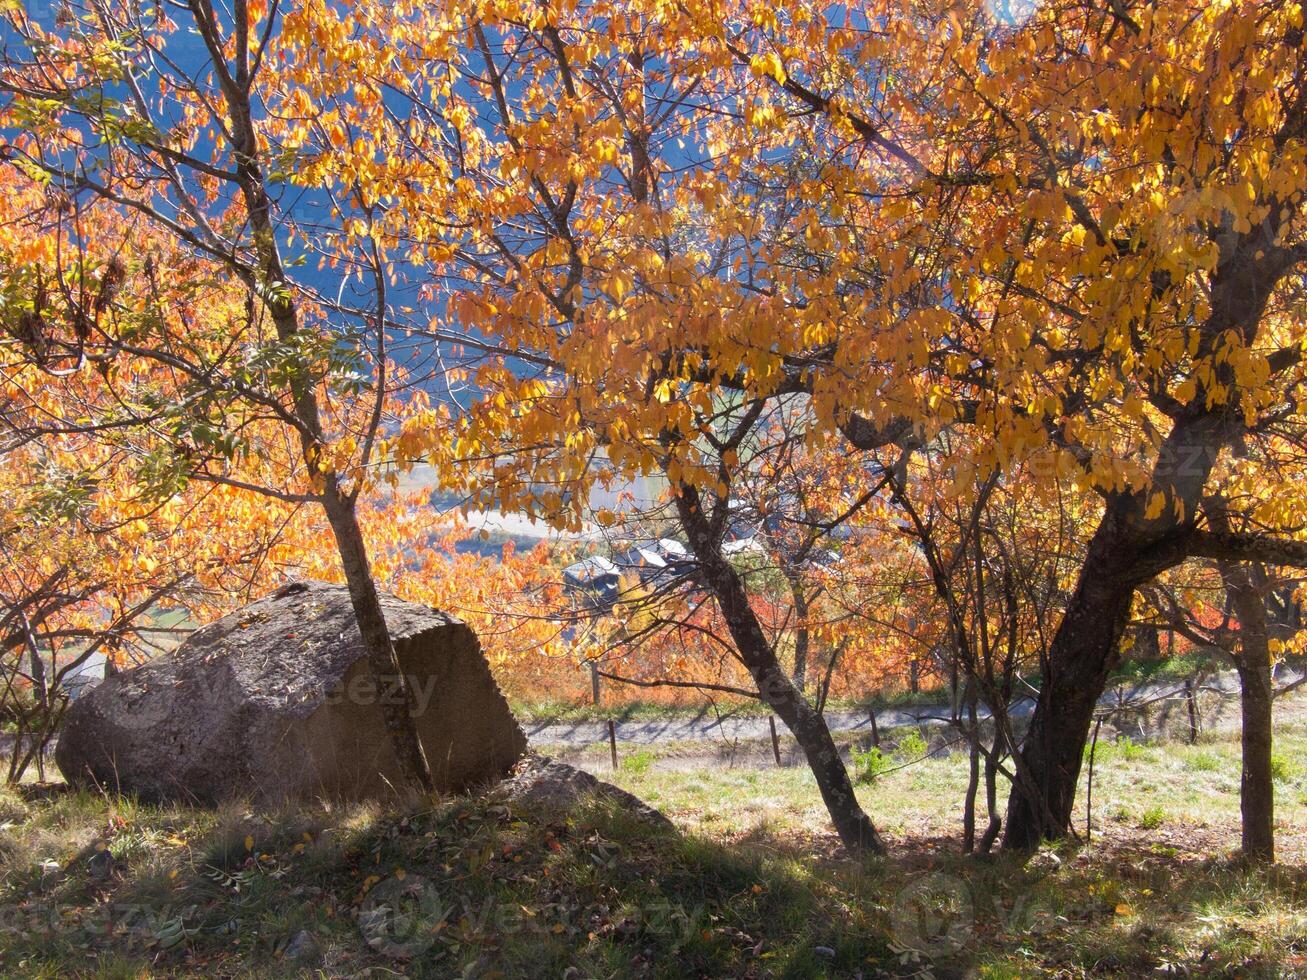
638,762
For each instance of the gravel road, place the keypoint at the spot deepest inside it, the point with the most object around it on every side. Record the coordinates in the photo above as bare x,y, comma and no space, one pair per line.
707,726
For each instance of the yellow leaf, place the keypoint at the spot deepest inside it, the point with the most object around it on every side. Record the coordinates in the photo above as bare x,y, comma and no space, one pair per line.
1156,504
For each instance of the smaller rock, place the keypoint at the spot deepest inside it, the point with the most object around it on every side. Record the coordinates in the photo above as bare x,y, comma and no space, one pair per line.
1045,862
302,948
100,865
541,784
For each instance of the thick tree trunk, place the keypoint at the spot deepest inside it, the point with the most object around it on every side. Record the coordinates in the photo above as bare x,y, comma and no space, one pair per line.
775,687
1130,547
1080,658
1253,662
1126,550
1148,644
398,713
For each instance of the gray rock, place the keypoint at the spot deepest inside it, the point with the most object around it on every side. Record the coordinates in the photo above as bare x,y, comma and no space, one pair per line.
303,947
277,701
100,865
545,786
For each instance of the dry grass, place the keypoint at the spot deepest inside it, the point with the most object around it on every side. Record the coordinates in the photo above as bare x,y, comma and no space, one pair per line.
753,885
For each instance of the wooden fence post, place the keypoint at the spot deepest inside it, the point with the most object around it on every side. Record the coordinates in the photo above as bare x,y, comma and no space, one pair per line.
775,740
612,740
1191,697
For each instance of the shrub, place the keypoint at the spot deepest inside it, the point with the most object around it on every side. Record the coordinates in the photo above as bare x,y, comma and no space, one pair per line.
868,764
1152,818
911,747
1282,769
1205,761
1124,748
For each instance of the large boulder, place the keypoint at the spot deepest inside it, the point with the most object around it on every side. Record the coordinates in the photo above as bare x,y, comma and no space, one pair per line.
277,701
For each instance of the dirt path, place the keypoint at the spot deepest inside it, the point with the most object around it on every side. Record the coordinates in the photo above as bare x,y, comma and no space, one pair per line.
707,726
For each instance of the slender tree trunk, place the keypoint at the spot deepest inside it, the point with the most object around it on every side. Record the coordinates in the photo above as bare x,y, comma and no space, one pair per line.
991,795
774,685
266,278
1253,663
1256,784
973,777
1191,706
397,713
801,633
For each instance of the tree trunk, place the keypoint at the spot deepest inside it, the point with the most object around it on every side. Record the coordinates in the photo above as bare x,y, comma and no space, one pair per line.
1080,658
1148,644
1129,547
774,685
1126,550
266,279
1253,663
991,795
973,777
801,634
397,714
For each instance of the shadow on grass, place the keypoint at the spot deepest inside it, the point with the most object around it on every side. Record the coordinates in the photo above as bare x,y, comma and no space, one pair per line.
461,887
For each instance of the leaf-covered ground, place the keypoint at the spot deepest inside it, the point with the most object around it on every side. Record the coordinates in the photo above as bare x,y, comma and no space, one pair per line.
751,885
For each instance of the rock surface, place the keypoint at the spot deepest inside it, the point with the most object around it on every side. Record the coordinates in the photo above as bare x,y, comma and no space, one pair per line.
276,701
545,785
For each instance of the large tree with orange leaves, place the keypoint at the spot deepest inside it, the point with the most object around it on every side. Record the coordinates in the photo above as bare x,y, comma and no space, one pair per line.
1076,238
1072,242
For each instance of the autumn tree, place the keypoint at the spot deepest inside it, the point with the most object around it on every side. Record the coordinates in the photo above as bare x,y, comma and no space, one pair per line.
1070,245
1077,236
167,261
96,570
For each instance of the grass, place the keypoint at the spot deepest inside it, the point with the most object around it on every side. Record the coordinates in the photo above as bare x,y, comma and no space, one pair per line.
638,762
752,884
570,713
